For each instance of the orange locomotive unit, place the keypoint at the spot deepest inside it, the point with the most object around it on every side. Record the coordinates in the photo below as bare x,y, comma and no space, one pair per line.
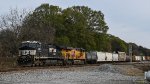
74,55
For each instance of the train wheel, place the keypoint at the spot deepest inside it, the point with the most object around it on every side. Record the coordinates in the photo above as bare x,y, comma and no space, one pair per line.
41,63
83,62
33,65
60,62
64,63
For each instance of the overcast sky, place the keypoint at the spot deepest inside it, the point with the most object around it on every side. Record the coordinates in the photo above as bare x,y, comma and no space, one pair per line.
127,19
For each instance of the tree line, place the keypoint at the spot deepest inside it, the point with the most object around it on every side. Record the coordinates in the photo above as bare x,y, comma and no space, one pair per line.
77,26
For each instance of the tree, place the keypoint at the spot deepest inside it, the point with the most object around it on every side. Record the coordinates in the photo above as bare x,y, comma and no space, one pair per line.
8,42
118,44
75,28
94,19
13,20
10,25
41,24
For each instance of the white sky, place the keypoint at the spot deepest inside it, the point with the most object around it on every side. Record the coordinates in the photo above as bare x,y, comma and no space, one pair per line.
127,19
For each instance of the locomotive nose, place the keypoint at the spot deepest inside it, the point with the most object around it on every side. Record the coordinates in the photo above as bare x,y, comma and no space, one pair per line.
24,60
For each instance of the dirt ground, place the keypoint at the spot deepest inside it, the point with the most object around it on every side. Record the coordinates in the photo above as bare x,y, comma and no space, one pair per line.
131,70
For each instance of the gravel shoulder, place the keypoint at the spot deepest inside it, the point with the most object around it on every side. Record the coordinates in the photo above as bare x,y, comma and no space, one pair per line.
102,74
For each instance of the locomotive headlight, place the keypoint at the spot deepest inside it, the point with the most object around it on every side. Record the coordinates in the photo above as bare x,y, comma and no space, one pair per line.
39,50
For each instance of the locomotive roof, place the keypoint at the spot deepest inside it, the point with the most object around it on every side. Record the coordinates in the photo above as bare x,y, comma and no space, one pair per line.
31,42
26,48
79,49
64,47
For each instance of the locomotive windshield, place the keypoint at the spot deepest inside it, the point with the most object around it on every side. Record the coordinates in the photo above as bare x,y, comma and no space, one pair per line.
33,45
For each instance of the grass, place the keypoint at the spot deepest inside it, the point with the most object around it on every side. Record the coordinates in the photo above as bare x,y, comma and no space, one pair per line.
141,82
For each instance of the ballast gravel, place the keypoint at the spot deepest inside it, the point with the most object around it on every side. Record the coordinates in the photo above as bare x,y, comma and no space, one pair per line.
104,74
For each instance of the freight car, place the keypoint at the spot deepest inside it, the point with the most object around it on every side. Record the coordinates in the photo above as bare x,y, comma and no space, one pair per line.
94,57
91,57
32,53
122,56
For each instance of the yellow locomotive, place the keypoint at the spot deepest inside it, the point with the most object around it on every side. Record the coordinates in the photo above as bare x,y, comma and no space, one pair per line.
74,55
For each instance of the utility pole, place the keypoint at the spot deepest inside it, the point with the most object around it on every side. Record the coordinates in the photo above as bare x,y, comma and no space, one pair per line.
130,52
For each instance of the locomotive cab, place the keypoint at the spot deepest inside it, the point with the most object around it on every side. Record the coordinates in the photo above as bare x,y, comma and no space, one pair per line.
27,51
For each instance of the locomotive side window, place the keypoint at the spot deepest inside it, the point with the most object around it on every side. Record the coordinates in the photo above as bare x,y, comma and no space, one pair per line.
24,44
52,51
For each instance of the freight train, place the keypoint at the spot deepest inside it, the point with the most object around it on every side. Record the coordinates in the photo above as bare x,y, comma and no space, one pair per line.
35,53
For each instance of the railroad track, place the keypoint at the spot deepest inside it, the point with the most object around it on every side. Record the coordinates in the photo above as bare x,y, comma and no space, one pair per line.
137,64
